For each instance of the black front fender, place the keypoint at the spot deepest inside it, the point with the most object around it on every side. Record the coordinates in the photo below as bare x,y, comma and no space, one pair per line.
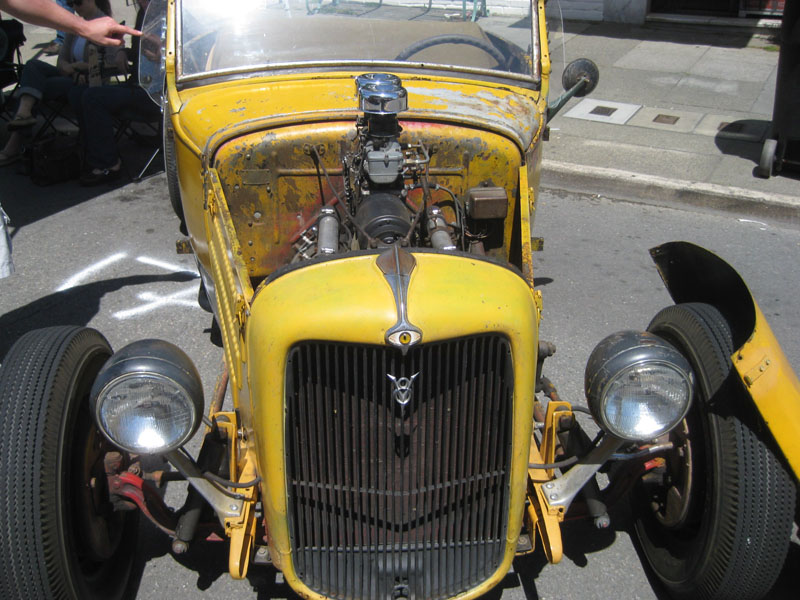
693,274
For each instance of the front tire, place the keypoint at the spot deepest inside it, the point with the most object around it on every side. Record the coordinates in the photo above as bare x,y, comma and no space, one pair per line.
61,538
715,520
171,168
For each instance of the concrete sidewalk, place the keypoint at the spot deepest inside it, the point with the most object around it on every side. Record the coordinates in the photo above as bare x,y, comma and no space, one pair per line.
679,117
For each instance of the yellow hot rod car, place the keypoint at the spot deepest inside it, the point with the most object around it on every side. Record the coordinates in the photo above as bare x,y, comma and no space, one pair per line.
358,182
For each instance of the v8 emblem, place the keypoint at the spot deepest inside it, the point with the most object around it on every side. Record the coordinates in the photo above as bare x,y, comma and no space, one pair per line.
402,388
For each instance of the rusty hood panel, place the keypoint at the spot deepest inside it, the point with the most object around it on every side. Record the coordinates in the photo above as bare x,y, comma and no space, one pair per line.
213,114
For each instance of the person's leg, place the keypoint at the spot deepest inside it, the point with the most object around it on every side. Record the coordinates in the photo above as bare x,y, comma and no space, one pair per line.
99,105
32,83
11,151
25,106
58,88
76,104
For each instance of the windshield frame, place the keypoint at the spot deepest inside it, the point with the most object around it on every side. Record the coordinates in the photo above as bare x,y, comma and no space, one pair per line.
532,80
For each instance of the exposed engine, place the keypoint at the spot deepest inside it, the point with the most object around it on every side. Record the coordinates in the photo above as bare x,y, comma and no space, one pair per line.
380,175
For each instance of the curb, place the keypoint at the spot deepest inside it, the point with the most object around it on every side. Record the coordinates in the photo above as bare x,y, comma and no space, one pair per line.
674,193
762,24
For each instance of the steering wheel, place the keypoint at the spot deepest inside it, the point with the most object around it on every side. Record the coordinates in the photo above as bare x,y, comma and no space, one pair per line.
455,38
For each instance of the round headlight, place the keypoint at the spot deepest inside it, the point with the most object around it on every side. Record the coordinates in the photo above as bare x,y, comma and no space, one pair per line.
148,398
638,386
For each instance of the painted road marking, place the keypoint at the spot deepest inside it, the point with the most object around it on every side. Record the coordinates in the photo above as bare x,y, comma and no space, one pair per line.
90,270
154,301
166,266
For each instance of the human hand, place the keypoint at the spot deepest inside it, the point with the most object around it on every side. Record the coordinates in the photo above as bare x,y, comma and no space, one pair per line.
105,31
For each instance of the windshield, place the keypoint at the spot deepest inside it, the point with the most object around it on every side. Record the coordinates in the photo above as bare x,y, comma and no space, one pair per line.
493,36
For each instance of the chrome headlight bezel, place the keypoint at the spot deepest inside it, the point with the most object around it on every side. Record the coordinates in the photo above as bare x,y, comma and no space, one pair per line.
168,370
638,355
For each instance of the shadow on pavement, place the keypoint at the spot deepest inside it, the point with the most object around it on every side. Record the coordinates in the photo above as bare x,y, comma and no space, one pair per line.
25,202
693,35
75,306
730,141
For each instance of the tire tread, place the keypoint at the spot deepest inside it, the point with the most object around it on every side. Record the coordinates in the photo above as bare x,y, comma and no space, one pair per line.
36,376
756,497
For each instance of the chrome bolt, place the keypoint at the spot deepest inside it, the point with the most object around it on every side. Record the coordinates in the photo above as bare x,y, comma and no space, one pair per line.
553,496
549,486
234,507
179,546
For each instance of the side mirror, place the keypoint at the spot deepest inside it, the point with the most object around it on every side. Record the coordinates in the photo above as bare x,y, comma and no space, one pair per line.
579,79
582,74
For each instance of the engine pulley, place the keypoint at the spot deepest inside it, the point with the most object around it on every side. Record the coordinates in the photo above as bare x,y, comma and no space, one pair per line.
383,216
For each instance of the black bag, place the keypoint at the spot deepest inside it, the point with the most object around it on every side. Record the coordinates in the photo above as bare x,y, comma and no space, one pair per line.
55,159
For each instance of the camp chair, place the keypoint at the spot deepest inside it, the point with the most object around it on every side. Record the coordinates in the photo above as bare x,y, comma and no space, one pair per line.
52,110
130,124
11,40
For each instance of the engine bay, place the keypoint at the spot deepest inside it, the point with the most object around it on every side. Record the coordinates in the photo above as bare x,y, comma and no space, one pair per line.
368,185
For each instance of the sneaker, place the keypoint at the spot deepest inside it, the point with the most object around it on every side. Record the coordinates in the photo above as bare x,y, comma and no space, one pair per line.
100,176
52,48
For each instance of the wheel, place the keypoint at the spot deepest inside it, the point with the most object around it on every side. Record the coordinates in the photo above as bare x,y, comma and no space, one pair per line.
714,520
766,164
171,169
455,38
61,538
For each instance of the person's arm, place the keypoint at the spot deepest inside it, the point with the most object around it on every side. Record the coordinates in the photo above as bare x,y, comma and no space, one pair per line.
104,31
63,63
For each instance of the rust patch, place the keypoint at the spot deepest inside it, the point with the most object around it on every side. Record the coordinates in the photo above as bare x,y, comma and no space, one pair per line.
513,113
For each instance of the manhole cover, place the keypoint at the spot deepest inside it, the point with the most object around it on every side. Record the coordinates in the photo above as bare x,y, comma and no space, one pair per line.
666,119
603,111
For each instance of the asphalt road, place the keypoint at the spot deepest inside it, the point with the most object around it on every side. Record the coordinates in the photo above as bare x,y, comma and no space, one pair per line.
108,261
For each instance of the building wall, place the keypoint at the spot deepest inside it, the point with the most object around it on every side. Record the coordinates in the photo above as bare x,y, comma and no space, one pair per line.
578,10
625,11
620,11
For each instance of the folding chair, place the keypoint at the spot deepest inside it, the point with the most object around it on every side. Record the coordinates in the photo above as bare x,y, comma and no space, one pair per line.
11,40
51,110
147,117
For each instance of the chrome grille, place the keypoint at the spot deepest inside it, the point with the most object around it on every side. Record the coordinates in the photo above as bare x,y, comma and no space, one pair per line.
398,501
